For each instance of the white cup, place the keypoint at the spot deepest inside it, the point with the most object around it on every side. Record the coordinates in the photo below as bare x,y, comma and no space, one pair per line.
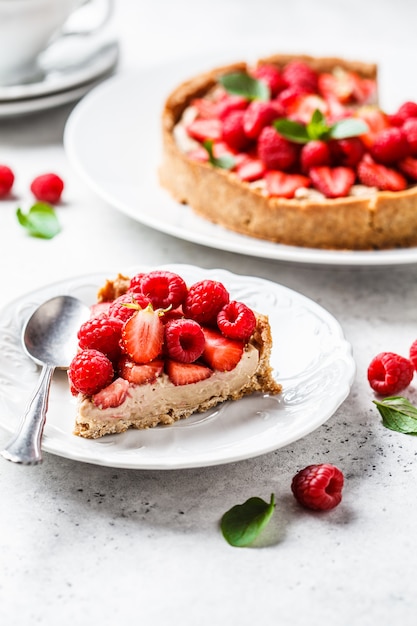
29,27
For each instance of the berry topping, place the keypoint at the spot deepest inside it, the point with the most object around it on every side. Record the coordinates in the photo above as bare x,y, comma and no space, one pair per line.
299,73
90,371
47,188
390,145
285,185
347,152
270,75
389,373
229,104
276,152
140,374
143,335
236,321
234,132
164,289
204,300
202,129
119,310
313,154
221,353
258,115
6,180
186,373
101,333
377,175
318,487
413,354
333,182
184,340
113,395
407,111
250,169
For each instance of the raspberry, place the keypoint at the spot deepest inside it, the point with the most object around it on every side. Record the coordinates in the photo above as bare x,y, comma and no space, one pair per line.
270,75
101,333
234,132
117,308
204,301
47,188
6,180
135,283
313,154
390,145
276,152
318,487
389,373
184,340
89,372
413,354
164,289
236,321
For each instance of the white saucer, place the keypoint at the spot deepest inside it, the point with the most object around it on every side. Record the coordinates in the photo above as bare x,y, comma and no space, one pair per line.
68,72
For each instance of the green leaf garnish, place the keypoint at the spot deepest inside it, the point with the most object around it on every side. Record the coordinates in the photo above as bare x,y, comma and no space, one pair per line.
41,220
317,128
242,524
225,162
241,84
398,414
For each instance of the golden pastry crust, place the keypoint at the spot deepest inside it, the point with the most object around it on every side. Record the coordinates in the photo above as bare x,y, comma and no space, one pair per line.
379,220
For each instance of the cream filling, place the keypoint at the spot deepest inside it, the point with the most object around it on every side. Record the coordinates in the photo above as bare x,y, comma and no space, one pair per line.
159,398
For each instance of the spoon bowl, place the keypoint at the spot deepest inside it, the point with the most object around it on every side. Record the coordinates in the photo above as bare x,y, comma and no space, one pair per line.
49,337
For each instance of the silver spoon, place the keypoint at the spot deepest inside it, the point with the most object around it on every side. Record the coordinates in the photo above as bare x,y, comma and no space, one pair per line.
50,338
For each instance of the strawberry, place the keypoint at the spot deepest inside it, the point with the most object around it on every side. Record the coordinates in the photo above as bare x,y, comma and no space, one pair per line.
347,152
346,87
408,166
377,175
221,353
113,395
205,129
251,169
260,114
406,111
228,104
284,185
390,145
143,335
300,73
333,182
314,153
140,374
276,152
234,132
186,373
302,108
409,129
290,95
375,119
270,75
206,108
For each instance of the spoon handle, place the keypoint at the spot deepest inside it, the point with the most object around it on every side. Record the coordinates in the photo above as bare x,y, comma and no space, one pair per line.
25,446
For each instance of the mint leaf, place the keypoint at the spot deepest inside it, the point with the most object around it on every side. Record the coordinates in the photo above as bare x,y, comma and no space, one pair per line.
41,221
398,414
293,131
225,162
349,127
241,84
317,127
243,523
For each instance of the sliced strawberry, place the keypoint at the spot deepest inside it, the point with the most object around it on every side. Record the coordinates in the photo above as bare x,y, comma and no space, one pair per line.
229,104
251,169
206,108
205,129
140,374
284,185
186,373
260,114
270,75
337,85
113,395
377,175
375,119
143,335
303,107
199,154
220,353
333,182
408,167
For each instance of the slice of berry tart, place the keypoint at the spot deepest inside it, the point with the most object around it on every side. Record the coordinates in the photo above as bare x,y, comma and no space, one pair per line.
156,350
294,150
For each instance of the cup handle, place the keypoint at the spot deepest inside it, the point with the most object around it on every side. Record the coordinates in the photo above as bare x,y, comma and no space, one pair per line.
108,8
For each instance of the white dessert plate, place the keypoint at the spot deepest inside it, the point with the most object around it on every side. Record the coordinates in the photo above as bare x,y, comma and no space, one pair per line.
119,161
310,357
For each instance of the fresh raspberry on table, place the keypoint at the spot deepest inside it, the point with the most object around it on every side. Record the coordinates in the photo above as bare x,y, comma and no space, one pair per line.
276,152
163,288
6,180
234,131
89,372
204,300
101,333
119,310
236,321
390,373
318,487
47,188
184,340
270,75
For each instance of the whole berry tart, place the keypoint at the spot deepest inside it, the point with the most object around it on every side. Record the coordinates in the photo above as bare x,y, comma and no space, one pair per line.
294,150
156,350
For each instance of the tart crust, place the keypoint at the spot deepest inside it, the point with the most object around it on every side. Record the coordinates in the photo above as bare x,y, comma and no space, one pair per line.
92,422
380,220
